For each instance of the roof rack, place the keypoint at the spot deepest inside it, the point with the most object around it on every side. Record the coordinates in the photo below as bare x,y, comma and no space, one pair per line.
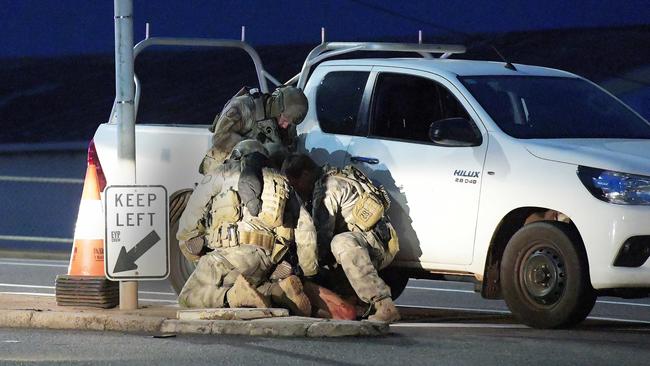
330,49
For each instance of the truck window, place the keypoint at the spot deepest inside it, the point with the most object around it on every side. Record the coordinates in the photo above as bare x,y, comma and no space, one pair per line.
338,99
404,106
543,107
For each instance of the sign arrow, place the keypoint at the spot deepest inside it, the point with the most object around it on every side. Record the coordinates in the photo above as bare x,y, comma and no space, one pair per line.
126,260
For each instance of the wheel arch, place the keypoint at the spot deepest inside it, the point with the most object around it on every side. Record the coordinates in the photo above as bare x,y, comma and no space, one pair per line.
507,227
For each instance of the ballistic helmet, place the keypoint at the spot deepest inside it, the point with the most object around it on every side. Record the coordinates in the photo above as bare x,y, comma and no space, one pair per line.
291,102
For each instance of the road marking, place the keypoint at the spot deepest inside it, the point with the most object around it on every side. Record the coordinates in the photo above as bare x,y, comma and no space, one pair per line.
472,292
34,264
618,320
52,295
24,286
45,239
440,289
493,311
622,303
53,287
10,178
458,325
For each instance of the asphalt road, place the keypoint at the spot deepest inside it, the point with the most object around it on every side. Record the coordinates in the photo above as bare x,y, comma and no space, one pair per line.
40,193
481,332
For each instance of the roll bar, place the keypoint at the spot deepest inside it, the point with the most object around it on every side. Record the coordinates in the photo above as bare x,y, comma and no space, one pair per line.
262,75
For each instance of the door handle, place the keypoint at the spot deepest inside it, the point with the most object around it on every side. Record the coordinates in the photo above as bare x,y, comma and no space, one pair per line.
363,159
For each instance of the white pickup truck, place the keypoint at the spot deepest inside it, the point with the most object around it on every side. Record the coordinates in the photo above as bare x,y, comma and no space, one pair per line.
533,183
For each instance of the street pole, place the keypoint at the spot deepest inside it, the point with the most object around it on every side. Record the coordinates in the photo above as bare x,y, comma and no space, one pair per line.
125,112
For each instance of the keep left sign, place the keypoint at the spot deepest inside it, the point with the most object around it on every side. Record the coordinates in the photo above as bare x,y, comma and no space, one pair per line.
136,244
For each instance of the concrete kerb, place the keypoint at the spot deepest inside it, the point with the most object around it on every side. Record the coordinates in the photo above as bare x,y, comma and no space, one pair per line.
35,312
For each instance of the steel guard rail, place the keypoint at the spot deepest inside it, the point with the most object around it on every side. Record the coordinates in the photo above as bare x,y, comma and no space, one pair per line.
262,75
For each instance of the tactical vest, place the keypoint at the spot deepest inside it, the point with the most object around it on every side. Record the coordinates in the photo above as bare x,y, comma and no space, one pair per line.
227,211
372,203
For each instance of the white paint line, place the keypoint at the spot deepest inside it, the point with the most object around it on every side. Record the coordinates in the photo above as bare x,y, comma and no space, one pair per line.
622,303
24,286
440,289
44,239
472,292
11,341
52,295
53,287
34,264
25,293
157,293
619,320
458,325
41,261
450,308
10,178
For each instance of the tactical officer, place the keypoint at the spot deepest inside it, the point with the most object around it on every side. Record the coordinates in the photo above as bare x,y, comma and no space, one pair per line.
349,214
271,119
245,248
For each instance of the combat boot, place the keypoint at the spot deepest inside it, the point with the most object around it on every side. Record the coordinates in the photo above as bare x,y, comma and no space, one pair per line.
290,293
244,295
386,311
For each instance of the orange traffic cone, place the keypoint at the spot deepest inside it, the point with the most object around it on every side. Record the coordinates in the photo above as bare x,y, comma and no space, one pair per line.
87,257
86,283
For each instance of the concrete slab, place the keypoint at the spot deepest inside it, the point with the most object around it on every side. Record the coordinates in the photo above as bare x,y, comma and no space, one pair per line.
231,314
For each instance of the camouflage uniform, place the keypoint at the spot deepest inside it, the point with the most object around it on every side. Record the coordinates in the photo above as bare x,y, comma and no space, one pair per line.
360,253
234,252
254,116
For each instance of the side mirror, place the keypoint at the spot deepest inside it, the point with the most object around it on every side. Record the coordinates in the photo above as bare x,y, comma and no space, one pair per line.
454,132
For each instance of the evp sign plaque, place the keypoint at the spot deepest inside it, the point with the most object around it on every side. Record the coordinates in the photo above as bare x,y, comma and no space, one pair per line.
136,244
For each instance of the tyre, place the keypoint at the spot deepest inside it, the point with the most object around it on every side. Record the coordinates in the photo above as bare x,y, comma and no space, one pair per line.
545,276
395,279
180,268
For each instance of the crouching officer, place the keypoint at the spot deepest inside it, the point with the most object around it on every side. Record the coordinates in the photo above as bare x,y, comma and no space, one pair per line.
349,214
270,119
245,248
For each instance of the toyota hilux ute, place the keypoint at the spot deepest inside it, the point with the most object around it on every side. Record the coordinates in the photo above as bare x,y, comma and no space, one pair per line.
531,182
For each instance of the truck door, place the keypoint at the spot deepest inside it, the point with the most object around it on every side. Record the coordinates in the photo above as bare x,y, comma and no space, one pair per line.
333,119
434,189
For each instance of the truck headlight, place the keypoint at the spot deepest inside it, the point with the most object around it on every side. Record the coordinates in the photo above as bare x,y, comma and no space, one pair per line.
615,187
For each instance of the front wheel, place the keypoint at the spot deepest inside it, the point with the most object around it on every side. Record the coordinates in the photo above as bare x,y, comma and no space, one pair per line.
545,276
180,268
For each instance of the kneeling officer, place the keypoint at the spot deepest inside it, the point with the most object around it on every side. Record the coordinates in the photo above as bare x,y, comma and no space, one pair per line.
245,247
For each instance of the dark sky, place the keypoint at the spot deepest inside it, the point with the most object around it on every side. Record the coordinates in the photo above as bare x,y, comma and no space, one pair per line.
62,27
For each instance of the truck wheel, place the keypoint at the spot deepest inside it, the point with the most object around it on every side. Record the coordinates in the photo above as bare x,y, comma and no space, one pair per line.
180,268
395,279
545,276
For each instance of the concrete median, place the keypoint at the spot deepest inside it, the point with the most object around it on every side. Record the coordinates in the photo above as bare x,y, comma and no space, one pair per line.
26,311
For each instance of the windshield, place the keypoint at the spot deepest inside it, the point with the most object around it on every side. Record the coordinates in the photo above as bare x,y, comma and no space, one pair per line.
532,107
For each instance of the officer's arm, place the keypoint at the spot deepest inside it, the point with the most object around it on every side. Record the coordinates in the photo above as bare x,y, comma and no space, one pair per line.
189,224
326,206
306,247
227,121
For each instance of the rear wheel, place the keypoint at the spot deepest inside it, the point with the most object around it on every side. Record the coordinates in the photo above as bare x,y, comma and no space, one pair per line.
180,268
545,276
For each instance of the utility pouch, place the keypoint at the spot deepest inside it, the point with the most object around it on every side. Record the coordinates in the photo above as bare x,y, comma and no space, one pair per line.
367,211
278,252
274,198
393,243
226,208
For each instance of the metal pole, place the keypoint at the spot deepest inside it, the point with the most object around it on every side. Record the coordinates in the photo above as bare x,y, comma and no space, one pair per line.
125,112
